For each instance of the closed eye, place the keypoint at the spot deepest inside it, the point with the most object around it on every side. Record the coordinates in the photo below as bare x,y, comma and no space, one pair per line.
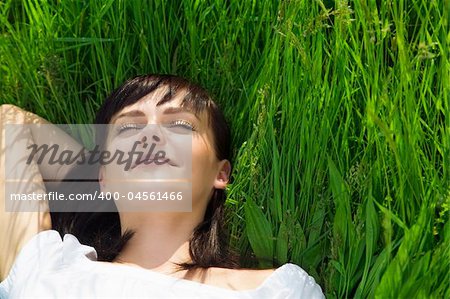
126,127
180,123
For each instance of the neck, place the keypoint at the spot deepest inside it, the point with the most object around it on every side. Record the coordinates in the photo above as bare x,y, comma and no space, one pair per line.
160,240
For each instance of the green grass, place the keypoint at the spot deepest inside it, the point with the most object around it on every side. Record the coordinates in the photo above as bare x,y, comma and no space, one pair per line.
340,113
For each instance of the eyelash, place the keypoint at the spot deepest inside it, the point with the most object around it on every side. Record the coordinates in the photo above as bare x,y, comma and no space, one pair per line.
185,124
125,127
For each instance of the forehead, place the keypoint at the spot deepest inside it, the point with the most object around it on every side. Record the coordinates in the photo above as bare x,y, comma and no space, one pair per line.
163,98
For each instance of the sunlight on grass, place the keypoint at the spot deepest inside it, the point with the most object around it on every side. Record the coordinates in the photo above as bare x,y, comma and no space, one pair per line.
339,111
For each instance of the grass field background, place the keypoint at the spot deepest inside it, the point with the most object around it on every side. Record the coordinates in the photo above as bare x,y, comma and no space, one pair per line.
340,113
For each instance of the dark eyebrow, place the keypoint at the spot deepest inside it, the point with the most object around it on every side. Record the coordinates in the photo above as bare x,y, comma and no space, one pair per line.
132,113
174,110
169,110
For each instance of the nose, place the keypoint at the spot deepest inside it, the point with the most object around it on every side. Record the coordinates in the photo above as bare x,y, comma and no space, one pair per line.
155,139
152,133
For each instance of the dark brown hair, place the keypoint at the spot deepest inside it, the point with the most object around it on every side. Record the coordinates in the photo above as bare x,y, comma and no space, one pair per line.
208,246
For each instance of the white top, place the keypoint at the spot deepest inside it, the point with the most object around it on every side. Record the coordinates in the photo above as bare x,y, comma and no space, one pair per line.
48,267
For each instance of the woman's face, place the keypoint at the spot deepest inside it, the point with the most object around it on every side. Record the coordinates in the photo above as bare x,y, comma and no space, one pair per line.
177,154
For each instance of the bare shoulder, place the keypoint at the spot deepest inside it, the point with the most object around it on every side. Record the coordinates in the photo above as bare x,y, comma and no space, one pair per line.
238,279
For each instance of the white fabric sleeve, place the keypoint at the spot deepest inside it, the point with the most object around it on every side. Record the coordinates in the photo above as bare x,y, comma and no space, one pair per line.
33,257
3,292
299,284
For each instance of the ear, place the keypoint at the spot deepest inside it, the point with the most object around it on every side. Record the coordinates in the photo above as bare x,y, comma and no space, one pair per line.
223,176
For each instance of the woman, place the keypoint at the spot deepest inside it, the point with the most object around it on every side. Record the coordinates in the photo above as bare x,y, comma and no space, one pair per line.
163,254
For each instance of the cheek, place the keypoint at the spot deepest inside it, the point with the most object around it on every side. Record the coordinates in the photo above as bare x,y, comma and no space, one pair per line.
111,170
203,166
